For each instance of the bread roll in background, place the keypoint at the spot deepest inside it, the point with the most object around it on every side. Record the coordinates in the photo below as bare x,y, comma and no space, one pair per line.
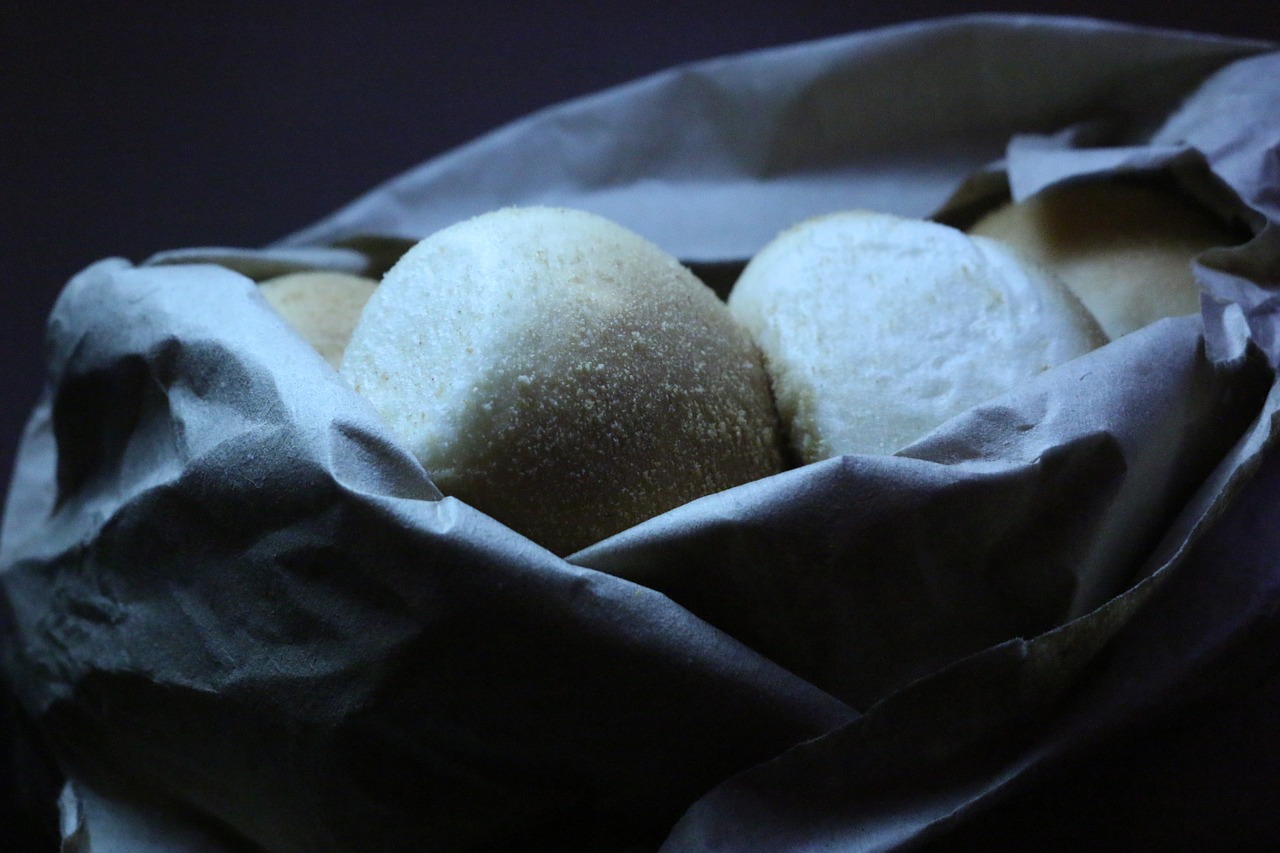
876,329
563,375
322,307
1124,248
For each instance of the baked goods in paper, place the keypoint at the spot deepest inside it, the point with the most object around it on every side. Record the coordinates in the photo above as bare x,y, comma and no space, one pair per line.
876,329
1124,248
562,374
321,306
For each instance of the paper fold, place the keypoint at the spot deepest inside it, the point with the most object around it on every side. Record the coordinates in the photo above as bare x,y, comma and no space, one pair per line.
218,570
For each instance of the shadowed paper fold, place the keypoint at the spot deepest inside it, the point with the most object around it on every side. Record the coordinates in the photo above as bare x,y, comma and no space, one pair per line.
227,593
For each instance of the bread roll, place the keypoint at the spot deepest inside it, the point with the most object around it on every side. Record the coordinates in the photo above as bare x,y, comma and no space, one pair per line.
876,329
562,374
322,307
1124,249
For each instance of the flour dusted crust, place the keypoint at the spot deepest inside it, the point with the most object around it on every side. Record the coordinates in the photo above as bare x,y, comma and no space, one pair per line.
562,374
1124,248
876,329
322,307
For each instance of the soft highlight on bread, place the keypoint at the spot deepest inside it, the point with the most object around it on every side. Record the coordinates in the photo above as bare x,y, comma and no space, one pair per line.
563,375
876,329
323,307
1124,248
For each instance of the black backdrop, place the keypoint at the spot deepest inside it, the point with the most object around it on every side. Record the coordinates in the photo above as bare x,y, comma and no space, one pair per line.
126,129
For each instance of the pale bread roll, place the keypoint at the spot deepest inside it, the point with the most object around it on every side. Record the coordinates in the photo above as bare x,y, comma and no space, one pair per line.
562,374
876,329
321,306
1124,249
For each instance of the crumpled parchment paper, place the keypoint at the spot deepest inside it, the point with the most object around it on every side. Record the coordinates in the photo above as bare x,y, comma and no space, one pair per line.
230,599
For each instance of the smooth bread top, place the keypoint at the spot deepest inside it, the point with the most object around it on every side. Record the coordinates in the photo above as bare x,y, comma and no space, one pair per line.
323,307
1124,248
876,329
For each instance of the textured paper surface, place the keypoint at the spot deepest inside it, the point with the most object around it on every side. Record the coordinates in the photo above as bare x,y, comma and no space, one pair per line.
220,572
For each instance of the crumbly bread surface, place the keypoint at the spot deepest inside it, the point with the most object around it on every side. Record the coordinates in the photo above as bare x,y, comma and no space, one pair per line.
876,329
1125,249
322,307
562,374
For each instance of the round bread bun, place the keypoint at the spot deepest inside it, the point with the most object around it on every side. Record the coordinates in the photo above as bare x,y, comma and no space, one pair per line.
563,375
322,307
1124,249
876,329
